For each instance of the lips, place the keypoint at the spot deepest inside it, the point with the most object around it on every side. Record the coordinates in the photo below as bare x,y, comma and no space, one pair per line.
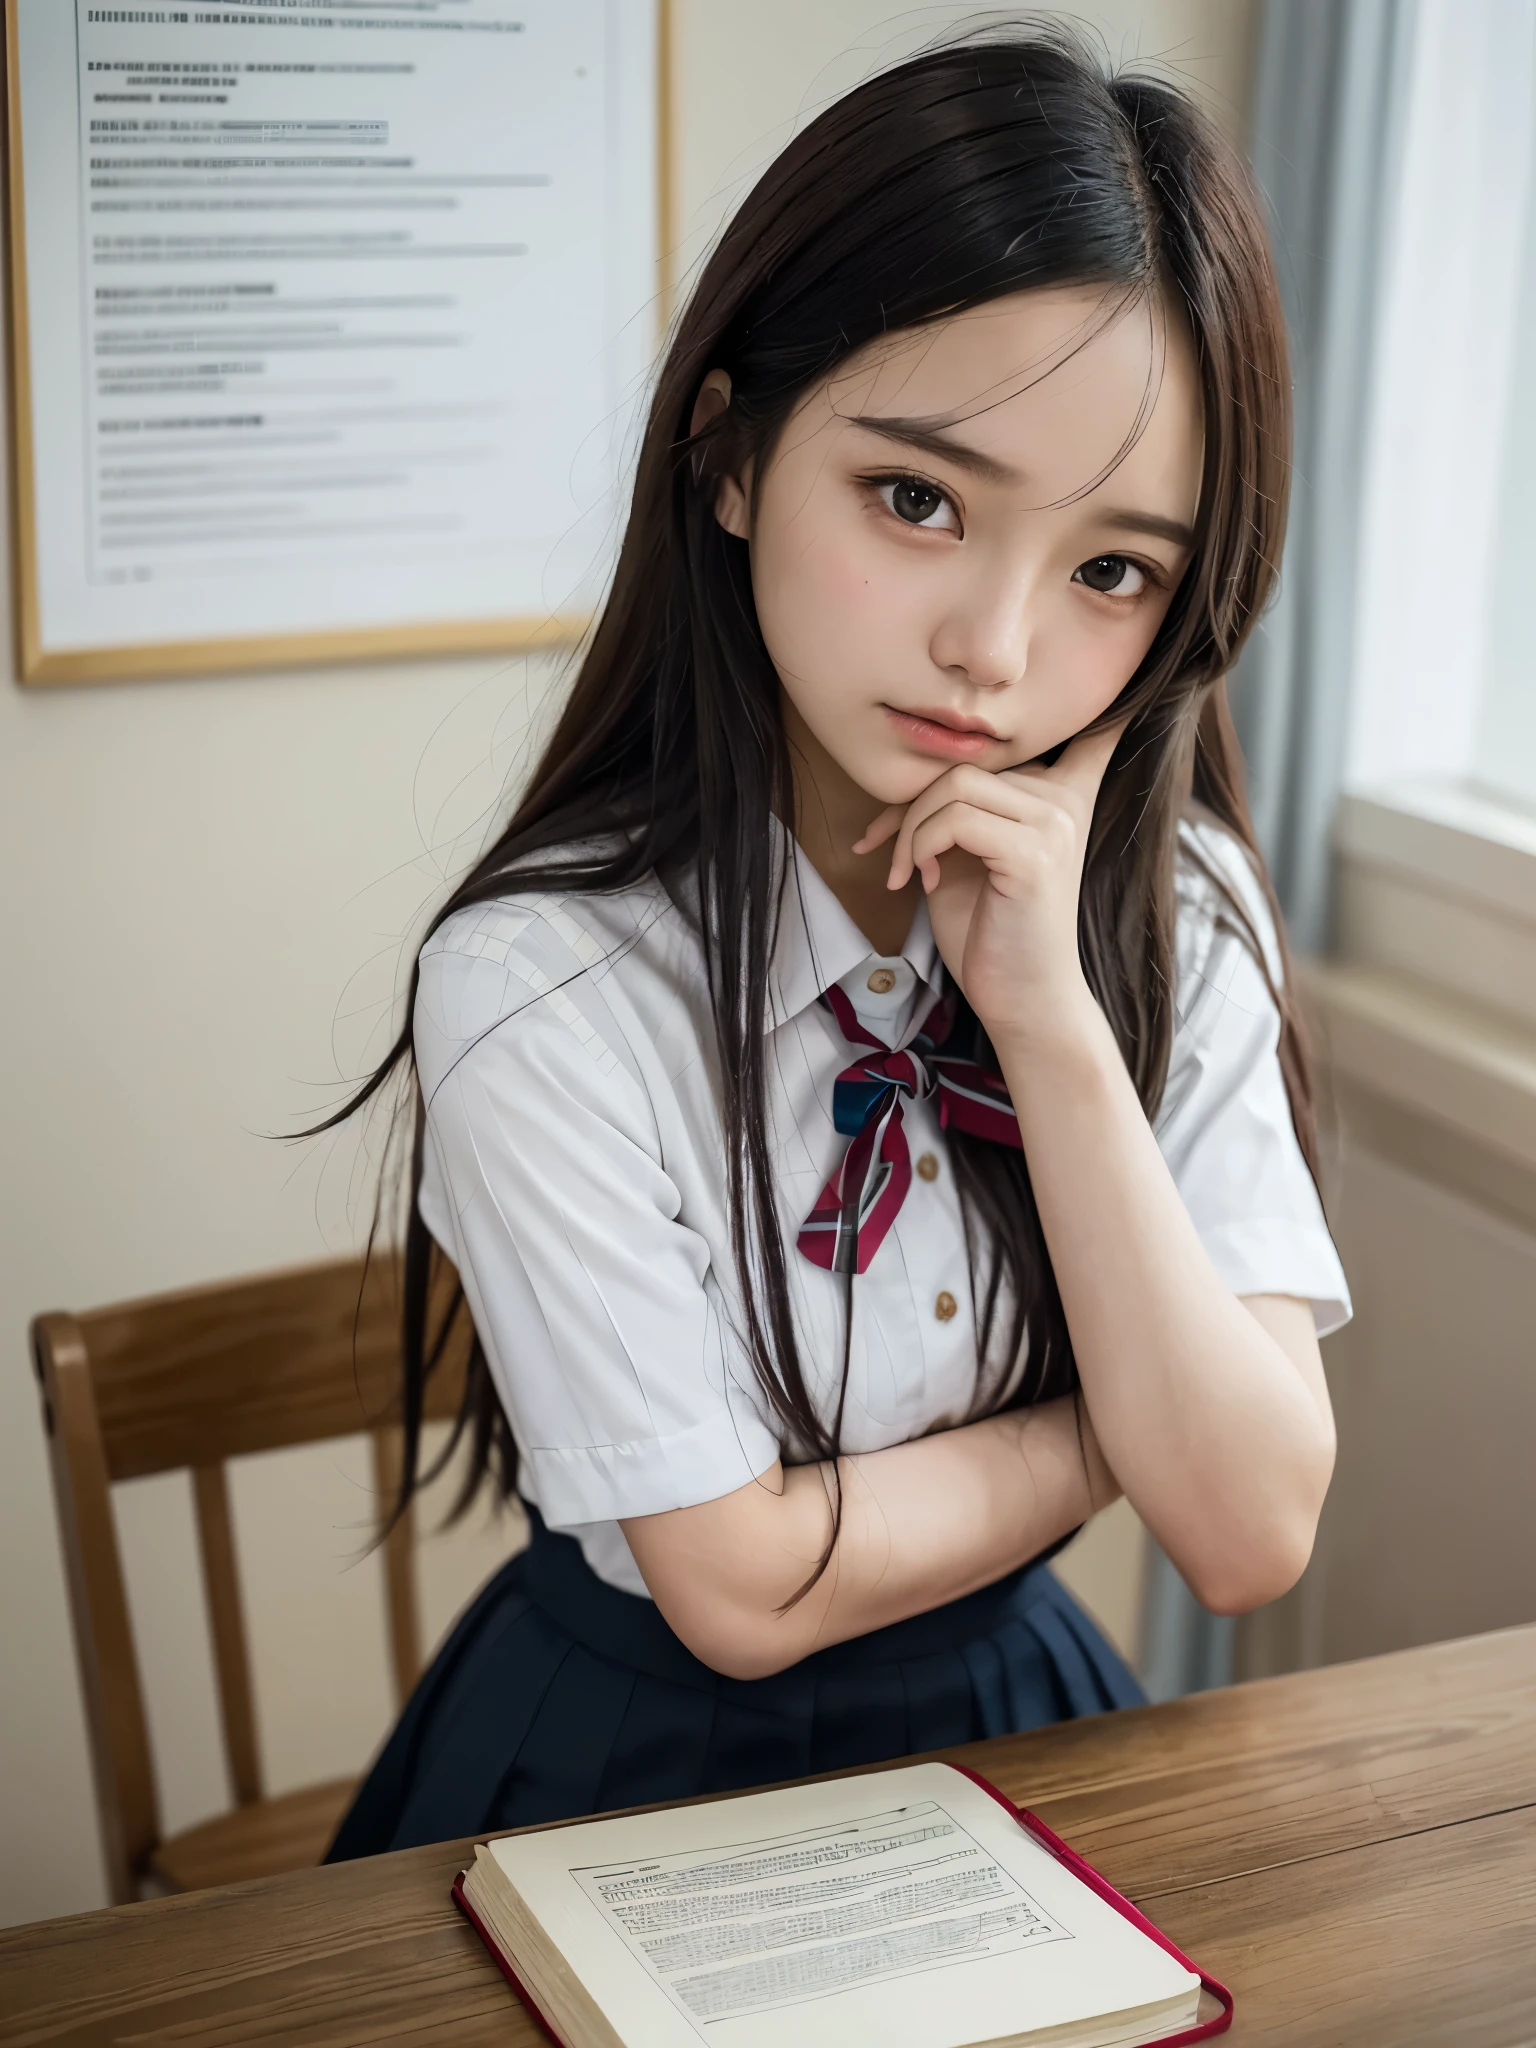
953,721
949,735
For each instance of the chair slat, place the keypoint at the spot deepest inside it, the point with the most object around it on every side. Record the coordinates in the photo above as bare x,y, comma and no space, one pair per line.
399,1565
226,1619
119,1733
193,1379
291,1832
188,1381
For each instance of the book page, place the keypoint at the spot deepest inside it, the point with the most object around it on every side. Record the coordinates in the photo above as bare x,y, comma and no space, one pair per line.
760,1925
902,1904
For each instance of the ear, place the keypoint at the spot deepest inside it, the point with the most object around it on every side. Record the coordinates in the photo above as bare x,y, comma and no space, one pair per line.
731,492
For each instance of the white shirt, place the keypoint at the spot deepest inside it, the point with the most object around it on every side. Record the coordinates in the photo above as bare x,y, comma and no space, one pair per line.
575,1176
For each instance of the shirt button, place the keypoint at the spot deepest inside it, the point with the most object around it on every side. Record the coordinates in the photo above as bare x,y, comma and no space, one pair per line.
882,981
928,1169
946,1306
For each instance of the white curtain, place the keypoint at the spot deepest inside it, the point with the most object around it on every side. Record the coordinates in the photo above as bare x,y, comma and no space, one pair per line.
1395,142
1330,98
1329,94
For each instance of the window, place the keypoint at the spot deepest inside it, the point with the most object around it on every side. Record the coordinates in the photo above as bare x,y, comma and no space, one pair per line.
1446,621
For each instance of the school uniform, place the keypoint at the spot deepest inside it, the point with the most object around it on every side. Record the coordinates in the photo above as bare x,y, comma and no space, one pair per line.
575,1176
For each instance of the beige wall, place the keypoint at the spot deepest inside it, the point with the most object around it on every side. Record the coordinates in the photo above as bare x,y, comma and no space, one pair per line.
1427,1018
207,888
1431,1526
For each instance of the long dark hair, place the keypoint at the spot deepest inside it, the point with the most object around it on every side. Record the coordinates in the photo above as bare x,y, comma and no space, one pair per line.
985,167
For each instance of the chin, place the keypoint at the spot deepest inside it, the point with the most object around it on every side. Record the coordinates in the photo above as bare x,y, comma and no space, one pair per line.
903,781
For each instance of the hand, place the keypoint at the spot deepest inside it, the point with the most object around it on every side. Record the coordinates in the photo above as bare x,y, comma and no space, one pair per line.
1001,859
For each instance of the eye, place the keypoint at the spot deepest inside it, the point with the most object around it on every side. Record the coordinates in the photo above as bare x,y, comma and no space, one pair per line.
918,503
1112,576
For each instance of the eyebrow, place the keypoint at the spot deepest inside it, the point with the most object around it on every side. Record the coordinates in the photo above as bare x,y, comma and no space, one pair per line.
1178,531
913,434
933,441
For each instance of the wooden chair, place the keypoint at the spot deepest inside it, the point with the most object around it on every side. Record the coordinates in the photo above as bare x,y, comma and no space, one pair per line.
186,1381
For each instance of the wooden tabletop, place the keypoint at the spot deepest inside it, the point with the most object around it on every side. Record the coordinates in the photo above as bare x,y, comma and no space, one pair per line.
1353,1851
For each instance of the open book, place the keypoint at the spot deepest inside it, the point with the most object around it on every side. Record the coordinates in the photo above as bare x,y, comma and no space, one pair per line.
914,1907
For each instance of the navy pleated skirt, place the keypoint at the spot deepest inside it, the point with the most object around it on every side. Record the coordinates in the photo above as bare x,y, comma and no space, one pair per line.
557,1695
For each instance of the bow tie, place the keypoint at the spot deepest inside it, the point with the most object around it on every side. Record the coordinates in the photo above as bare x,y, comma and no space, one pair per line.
859,1203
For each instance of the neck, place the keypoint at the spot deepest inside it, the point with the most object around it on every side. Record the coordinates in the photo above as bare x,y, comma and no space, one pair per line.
831,812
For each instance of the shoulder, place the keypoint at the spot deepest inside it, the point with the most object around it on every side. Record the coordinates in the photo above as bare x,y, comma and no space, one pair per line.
1223,1065
548,965
527,932
1224,913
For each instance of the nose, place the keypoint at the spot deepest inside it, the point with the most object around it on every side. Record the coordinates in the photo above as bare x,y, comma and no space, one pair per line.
984,634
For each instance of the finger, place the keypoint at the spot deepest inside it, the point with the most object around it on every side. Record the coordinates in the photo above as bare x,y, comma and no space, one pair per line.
880,830
978,786
1082,767
923,805
962,828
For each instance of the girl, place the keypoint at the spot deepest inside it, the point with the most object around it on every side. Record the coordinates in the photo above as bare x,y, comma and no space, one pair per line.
860,1103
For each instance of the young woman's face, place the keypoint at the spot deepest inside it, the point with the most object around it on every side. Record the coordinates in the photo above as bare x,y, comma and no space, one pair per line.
938,575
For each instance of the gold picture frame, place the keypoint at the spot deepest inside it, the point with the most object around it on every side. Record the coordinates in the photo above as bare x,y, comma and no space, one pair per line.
139,662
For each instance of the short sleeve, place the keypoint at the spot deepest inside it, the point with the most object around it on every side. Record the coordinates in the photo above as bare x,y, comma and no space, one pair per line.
545,1183
1225,1125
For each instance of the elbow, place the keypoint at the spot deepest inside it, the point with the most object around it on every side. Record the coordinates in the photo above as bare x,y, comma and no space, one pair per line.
721,1593
1252,1574
724,1574
746,1663
1263,1561
1253,1584
745,1647
730,1636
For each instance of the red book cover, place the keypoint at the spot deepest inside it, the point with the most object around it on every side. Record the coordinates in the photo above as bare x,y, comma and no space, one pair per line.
506,1969
1202,2031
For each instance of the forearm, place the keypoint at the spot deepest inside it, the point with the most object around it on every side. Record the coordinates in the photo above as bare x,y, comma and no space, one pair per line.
922,1523
1211,1429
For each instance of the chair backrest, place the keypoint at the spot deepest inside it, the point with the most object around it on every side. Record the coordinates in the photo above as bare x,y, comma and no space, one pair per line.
186,1381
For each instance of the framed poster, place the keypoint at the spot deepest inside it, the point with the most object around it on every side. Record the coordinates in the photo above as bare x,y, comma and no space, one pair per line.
330,322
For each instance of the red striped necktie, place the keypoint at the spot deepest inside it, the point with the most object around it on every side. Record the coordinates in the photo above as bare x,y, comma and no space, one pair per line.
859,1203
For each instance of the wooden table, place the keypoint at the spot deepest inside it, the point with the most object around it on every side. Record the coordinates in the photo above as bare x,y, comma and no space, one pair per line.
1353,1851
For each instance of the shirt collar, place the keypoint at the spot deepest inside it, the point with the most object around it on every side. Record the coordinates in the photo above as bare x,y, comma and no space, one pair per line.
818,943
